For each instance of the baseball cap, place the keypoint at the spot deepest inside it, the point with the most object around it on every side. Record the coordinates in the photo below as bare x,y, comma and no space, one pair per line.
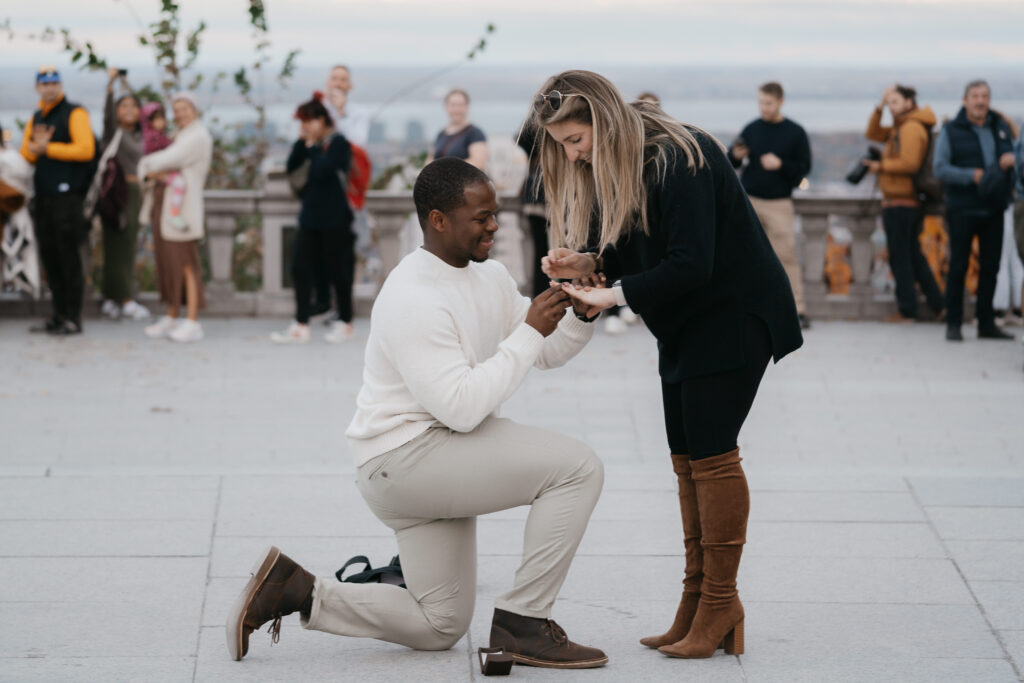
47,74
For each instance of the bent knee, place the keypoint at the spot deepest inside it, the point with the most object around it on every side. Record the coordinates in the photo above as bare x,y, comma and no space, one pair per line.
445,629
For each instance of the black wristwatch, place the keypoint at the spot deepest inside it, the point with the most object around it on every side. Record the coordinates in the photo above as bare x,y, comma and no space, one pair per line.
584,318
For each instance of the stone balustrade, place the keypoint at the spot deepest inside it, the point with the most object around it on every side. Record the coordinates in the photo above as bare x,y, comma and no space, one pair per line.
395,236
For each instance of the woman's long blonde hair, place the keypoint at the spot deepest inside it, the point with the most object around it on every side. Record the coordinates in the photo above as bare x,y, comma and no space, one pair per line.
626,136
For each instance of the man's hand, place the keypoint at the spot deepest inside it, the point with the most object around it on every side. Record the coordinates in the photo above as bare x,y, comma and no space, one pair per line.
566,264
595,281
546,310
885,96
40,139
978,174
1006,161
770,162
740,152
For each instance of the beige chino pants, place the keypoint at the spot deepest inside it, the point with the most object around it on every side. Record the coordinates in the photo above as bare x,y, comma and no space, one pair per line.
430,491
777,217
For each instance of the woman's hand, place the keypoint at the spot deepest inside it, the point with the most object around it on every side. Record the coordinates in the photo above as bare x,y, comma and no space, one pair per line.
593,299
566,264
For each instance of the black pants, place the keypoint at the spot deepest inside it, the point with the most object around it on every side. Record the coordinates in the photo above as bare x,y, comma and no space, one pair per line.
963,226
902,229
539,232
60,230
336,249
703,415
321,286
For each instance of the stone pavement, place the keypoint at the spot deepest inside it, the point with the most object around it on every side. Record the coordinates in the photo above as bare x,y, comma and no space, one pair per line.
139,480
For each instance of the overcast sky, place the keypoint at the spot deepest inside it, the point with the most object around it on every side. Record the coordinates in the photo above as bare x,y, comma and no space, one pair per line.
913,33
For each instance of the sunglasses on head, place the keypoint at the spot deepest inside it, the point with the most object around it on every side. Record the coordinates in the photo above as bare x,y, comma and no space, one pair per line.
553,99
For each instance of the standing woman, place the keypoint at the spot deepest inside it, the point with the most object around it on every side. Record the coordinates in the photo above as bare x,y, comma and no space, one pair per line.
321,157
460,138
120,234
675,233
183,167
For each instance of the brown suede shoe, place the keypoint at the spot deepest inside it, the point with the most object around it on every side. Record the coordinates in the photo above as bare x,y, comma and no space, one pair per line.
278,587
541,642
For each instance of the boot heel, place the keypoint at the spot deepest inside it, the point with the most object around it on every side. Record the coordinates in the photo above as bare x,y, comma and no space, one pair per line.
733,642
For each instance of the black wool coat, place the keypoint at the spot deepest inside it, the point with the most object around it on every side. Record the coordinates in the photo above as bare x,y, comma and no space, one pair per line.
704,266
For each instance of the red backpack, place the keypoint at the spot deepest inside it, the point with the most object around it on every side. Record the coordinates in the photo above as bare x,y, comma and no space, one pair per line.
359,175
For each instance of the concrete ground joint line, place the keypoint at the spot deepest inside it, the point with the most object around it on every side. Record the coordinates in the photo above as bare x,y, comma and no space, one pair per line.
209,572
956,565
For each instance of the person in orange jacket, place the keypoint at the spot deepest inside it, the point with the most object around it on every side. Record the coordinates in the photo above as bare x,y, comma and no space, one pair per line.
906,147
60,142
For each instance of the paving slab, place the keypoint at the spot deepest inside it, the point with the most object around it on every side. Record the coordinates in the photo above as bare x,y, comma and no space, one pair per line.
989,560
106,538
969,491
1003,603
85,668
980,524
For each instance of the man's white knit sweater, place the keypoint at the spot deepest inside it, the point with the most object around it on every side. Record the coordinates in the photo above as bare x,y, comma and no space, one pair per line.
448,345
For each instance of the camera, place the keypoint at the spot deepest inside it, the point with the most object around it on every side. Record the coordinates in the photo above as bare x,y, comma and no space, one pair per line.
858,172
122,72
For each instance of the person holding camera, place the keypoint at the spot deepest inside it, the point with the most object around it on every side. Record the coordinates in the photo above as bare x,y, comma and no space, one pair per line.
974,159
906,148
778,157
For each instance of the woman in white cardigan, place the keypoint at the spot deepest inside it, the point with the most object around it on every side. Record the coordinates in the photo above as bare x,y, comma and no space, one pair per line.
178,217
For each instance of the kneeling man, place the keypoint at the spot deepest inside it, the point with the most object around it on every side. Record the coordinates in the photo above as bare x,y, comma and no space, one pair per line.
451,339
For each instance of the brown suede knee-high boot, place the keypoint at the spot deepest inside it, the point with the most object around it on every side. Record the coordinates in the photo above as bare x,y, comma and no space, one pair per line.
724,504
694,557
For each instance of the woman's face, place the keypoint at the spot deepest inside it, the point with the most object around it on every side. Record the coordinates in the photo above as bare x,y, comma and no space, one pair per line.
128,112
457,108
314,128
184,113
577,139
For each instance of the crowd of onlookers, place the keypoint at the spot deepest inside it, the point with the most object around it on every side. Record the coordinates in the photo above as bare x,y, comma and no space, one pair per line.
149,168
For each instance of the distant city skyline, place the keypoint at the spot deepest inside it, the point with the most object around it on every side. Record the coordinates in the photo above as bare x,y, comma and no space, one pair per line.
909,33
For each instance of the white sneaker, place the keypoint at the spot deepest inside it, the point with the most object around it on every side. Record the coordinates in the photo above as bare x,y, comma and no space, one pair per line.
187,331
110,309
297,333
133,310
613,324
627,315
161,328
339,332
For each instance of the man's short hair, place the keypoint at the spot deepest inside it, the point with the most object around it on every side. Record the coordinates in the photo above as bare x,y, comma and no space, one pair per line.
341,66
442,185
977,83
772,88
907,92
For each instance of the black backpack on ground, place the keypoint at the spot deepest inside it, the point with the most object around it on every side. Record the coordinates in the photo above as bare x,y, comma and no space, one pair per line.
392,573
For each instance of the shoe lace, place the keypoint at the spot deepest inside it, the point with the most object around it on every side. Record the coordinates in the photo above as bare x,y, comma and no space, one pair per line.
275,629
557,632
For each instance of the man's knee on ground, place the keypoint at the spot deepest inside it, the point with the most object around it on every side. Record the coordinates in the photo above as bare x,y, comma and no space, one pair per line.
446,627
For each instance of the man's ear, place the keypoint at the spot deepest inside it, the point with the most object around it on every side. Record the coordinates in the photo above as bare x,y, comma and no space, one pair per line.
438,221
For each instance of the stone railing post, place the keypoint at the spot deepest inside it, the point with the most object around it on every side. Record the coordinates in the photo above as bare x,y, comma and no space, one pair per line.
223,208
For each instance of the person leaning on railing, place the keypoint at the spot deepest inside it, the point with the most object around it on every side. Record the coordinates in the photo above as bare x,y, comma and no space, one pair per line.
906,149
